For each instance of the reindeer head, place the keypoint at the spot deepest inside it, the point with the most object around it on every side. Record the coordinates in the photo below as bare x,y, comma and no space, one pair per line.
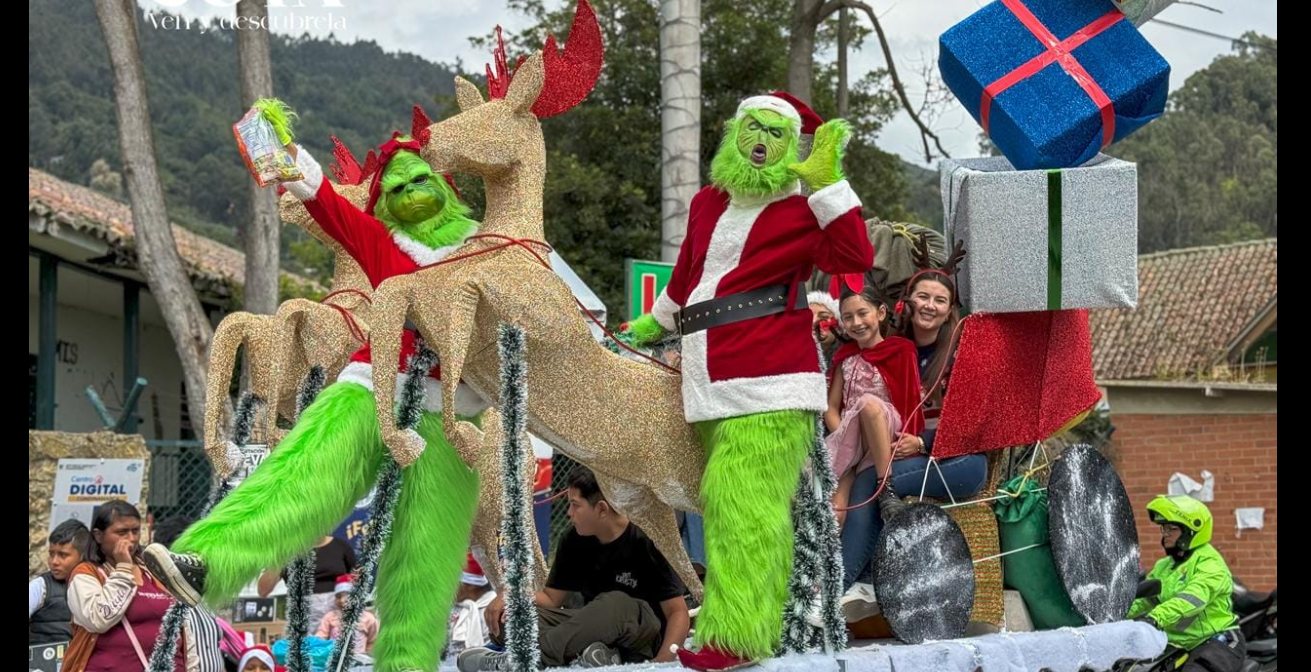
489,137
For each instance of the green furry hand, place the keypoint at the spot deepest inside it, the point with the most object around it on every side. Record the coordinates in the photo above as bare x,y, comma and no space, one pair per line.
824,165
643,331
280,115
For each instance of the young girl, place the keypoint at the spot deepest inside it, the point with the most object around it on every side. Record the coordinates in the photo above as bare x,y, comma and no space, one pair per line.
874,394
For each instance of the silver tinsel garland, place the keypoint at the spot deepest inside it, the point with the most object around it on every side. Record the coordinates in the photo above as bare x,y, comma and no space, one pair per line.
517,526
300,571
817,558
386,494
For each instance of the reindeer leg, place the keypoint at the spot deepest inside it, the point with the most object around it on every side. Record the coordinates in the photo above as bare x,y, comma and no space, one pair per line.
452,330
486,460
268,380
657,520
391,303
487,521
229,336
539,559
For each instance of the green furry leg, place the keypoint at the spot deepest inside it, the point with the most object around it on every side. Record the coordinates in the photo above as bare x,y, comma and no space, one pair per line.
421,565
312,481
301,492
746,493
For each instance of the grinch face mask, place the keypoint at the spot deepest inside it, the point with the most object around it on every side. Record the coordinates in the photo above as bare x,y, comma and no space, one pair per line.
411,190
754,155
417,202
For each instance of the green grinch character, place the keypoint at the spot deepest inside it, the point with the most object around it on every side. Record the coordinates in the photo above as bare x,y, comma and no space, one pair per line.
751,374
333,455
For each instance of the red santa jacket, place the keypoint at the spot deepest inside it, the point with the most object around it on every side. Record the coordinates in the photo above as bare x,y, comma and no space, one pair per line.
739,244
381,254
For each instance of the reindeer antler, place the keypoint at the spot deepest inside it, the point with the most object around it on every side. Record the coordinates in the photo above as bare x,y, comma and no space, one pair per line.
921,252
570,75
499,82
957,254
370,163
419,123
345,168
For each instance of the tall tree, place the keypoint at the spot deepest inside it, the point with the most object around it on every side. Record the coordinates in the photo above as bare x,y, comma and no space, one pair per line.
260,230
157,251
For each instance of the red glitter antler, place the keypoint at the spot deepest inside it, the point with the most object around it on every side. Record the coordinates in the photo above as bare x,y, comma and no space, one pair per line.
419,124
570,74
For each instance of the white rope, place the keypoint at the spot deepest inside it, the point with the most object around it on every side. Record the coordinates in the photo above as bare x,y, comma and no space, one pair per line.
1012,551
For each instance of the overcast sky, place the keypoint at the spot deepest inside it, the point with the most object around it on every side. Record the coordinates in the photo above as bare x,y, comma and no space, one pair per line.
439,30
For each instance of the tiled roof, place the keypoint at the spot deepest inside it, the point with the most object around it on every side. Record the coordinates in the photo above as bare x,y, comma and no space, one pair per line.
1193,305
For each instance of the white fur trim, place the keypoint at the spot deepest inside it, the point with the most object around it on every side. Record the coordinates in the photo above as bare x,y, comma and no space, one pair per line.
707,400
473,579
467,402
725,250
704,399
420,253
824,299
664,309
307,187
833,201
773,104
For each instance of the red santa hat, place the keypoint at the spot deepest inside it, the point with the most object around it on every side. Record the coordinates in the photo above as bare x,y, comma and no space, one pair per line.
823,299
261,653
804,120
344,584
473,572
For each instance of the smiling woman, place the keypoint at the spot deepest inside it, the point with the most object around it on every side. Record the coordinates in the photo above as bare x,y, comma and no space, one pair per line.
928,314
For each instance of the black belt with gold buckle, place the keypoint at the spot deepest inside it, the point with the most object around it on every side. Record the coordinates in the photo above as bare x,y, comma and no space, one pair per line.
738,307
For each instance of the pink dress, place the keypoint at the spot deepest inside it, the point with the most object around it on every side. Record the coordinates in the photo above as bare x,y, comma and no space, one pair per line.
862,385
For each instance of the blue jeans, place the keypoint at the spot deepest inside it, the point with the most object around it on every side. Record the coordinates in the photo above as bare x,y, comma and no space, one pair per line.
964,477
692,529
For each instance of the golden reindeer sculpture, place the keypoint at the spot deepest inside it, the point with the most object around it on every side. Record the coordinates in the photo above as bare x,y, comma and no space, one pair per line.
302,334
621,418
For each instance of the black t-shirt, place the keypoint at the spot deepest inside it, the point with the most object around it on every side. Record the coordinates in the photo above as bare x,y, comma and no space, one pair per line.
629,564
925,353
331,560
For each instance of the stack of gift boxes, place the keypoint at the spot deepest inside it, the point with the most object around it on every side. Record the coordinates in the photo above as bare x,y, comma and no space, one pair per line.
1051,227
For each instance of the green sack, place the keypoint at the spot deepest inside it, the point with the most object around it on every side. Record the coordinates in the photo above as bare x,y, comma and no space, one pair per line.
1022,522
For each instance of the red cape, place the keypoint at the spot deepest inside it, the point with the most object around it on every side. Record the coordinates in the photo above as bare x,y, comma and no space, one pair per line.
896,359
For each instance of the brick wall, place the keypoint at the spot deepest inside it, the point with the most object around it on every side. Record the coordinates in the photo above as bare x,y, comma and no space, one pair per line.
1242,452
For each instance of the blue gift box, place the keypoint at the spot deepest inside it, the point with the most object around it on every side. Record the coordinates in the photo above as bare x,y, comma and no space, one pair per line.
1048,118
